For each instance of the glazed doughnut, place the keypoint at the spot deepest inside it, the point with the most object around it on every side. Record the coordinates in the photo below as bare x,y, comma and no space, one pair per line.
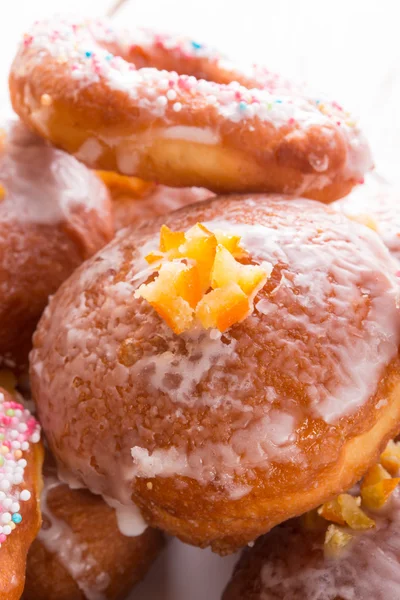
54,213
136,201
376,204
80,553
105,96
296,561
218,437
21,458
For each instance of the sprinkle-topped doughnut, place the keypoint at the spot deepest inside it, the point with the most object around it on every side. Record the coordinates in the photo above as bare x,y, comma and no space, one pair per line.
171,110
20,478
218,423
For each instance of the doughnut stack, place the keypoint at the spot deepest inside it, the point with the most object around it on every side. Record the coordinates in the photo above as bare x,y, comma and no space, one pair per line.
200,294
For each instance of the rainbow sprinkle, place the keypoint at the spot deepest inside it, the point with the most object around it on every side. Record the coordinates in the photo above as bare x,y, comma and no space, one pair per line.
18,429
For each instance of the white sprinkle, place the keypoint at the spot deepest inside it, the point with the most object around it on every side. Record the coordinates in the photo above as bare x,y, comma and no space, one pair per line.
6,518
5,484
171,94
25,446
25,495
177,106
7,503
15,506
22,427
7,530
161,101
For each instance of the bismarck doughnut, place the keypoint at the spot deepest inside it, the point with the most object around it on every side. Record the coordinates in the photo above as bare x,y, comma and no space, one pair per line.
225,367
54,213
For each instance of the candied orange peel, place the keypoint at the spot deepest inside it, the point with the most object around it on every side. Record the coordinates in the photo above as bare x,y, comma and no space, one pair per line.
346,510
200,279
122,186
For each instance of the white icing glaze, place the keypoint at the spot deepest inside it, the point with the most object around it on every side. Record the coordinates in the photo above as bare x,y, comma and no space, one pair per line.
379,201
192,134
129,518
369,568
82,47
338,293
43,185
59,539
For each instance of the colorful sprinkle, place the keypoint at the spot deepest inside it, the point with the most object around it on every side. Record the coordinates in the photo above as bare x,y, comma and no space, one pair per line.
18,429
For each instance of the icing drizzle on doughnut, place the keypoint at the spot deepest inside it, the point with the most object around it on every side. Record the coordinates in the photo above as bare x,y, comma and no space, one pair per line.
83,49
18,430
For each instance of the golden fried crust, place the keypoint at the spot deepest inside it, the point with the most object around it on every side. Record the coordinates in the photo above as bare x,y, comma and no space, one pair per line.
219,438
202,134
54,214
13,552
120,560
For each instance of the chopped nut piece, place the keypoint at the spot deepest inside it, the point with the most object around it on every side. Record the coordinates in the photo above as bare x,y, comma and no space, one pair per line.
2,192
353,515
332,511
335,541
390,458
223,307
226,269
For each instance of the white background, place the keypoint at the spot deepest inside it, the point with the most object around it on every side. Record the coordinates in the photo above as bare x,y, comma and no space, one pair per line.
347,48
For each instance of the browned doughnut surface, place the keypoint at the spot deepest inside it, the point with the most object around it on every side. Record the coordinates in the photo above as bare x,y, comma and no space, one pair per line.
220,437
289,564
98,93
80,553
54,213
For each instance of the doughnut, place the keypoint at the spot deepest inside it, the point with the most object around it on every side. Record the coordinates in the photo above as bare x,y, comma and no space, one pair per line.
21,458
307,559
136,201
171,110
80,552
376,204
54,213
223,413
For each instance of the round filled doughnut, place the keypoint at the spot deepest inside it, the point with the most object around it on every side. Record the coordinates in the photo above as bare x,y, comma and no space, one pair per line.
54,213
136,201
376,204
308,558
80,553
21,458
171,110
239,357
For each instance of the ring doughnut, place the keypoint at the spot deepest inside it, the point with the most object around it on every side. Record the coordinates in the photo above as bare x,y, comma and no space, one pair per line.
76,84
312,369
376,204
54,213
21,458
305,558
136,201
80,554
